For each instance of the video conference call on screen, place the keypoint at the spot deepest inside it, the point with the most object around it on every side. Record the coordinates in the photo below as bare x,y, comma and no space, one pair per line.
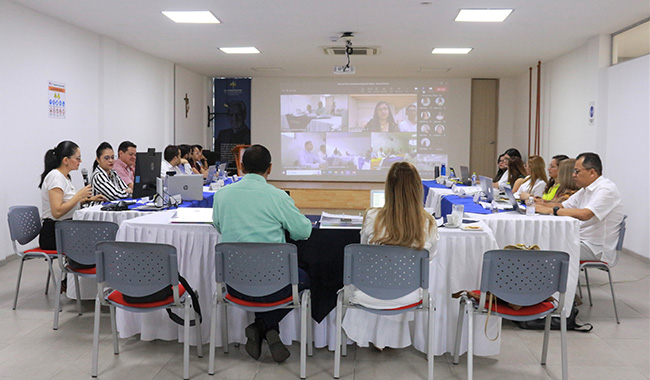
361,131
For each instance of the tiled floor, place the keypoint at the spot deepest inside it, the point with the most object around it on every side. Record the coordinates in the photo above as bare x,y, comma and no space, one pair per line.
30,349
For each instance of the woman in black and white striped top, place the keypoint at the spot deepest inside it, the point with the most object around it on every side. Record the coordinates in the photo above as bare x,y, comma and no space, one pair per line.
105,180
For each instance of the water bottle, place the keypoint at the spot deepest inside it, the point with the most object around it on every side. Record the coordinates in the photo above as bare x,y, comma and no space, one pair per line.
530,206
443,170
474,179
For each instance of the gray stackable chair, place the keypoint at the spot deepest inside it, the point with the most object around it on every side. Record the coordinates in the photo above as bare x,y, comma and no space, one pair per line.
524,278
385,272
259,269
76,239
584,265
24,226
138,270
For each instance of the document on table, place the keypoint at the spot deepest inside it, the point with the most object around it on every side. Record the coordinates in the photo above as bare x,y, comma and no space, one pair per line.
328,220
192,215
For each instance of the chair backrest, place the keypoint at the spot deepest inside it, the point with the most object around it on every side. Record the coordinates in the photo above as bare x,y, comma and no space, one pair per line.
621,234
77,238
136,269
385,271
524,277
256,269
24,223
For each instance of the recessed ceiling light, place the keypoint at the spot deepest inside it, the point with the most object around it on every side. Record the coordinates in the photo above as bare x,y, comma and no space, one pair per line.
483,15
192,17
451,50
240,50
267,69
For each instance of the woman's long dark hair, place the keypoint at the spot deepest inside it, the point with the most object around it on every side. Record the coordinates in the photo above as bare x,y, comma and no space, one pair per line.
53,157
102,147
500,171
551,181
516,170
374,125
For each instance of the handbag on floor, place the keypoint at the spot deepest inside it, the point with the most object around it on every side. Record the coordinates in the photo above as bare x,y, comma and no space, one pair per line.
571,324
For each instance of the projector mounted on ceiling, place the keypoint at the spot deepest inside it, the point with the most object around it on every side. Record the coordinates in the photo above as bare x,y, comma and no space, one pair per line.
345,69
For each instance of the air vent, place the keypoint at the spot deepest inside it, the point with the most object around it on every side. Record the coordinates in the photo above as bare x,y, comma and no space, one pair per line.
357,50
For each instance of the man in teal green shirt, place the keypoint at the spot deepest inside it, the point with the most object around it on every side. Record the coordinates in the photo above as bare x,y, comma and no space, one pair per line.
254,211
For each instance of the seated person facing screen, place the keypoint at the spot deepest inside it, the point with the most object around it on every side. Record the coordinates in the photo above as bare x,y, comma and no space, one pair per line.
404,222
104,179
59,199
597,205
185,166
563,187
509,155
516,171
254,211
197,161
125,164
502,167
171,160
553,183
535,181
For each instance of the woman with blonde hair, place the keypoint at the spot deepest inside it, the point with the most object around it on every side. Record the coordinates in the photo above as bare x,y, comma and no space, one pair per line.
404,222
565,178
535,182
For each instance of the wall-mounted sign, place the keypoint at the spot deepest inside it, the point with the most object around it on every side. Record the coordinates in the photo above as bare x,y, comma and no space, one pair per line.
592,113
56,99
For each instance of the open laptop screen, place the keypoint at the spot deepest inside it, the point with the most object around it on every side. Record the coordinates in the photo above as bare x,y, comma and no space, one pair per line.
377,198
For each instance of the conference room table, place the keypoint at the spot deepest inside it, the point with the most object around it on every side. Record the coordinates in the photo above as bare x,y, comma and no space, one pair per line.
456,266
88,287
549,232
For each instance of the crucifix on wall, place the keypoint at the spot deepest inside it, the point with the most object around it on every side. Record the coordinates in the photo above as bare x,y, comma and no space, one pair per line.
187,105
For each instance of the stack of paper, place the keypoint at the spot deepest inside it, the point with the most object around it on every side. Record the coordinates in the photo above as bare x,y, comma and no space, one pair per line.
192,215
328,220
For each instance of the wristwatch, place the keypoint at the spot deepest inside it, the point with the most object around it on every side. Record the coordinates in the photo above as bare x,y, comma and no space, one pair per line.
555,210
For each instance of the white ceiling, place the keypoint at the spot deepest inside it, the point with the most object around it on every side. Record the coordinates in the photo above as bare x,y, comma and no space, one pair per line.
290,33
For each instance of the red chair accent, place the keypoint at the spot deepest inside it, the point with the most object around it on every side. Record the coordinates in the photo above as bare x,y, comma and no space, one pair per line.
258,304
503,308
92,270
38,250
118,297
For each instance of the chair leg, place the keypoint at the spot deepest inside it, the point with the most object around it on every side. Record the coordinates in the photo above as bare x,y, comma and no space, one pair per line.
95,364
199,336
462,309
50,276
339,322
611,287
77,291
547,330
310,330
224,327
20,275
186,343
470,341
213,335
116,343
57,302
588,287
579,287
563,340
430,340
303,334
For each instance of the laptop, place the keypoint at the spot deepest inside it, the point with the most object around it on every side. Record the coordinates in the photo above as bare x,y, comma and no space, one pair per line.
486,188
464,174
377,198
212,171
190,187
513,201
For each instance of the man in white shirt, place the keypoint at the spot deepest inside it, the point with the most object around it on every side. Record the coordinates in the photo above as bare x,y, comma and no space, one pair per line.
308,157
410,124
597,205
171,159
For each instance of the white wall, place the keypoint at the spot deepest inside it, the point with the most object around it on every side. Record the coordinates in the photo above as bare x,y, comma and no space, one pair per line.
627,161
193,128
113,93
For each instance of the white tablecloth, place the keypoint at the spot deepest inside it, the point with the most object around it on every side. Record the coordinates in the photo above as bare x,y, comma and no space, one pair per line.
456,267
434,198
